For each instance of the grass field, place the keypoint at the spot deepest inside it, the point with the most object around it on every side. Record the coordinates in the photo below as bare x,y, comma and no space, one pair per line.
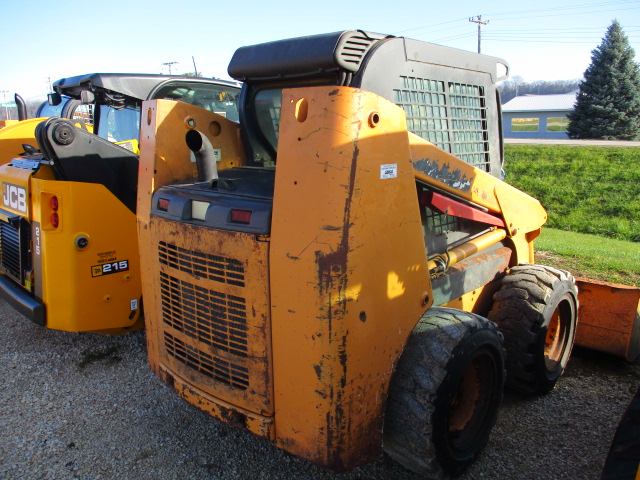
584,189
592,196
590,256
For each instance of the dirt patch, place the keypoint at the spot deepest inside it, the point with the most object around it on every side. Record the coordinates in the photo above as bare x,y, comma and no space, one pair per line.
107,354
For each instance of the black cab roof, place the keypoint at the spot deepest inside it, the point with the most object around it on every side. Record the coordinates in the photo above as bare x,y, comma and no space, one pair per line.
138,86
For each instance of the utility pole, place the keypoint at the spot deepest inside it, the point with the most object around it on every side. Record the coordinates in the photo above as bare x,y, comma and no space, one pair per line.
479,21
168,64
195,70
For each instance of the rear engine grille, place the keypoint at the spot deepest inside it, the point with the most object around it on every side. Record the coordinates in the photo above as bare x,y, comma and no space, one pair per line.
10,249
14,251
213,267
211,317
213,334
205,364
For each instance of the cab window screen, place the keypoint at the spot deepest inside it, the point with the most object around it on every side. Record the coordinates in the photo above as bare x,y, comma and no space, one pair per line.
215,98
119,125
268,104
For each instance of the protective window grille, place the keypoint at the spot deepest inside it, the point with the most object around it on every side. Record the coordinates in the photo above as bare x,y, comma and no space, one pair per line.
213,318
468,112
425,107
210,366
437,223
452,116
204,265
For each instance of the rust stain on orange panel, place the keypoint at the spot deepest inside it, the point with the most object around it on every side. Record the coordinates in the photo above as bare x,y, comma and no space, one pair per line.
339,319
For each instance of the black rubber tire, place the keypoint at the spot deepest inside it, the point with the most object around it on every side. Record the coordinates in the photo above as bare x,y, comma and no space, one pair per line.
445,393
536,310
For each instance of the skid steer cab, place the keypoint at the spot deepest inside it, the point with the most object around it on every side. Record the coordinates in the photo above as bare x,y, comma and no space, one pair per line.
327,284
68,235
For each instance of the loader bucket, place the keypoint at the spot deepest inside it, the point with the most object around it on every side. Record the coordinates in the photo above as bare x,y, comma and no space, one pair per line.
609,318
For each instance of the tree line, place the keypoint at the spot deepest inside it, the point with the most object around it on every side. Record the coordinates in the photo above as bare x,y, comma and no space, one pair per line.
516,86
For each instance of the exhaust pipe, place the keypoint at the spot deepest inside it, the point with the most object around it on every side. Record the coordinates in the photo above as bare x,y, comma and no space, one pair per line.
22,107
201,147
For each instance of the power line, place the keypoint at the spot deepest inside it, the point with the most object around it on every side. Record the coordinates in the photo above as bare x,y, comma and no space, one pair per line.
578,30
454,37
563,14
432,25
564,8
586,42
513,15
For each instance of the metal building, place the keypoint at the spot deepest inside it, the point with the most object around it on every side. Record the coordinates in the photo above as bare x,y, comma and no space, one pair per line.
538,116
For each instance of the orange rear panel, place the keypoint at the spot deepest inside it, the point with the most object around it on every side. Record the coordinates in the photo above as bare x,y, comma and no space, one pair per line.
609,318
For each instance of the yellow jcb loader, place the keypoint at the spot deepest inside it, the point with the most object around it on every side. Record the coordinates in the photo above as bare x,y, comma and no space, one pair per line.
327,283
19,134
68,235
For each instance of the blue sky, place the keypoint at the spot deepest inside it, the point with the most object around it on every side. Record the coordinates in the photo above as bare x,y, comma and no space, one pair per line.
45,40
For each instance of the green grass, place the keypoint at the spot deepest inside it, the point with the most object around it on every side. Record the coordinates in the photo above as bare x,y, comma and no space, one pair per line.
592,190
592,196
590,256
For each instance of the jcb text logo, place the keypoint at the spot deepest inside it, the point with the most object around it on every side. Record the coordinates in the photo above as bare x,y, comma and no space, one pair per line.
14,197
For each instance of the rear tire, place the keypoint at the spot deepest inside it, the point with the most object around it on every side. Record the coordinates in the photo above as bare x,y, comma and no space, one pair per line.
536,310
445,394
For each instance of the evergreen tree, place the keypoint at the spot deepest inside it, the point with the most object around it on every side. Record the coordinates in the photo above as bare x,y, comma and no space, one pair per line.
608,103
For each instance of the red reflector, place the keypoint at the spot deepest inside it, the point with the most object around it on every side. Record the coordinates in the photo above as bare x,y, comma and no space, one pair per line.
53,203
163,204
55,220
241,216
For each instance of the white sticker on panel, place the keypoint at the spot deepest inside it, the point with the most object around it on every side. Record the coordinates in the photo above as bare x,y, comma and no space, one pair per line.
388,171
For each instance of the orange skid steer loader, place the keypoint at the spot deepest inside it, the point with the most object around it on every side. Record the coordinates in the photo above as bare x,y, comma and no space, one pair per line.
332,283
326,284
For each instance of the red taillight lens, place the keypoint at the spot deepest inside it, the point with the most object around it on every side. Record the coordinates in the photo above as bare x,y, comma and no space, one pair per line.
240,216
163,204
55,220
53,203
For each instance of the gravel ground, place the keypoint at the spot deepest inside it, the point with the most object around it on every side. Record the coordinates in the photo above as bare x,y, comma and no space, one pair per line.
86,406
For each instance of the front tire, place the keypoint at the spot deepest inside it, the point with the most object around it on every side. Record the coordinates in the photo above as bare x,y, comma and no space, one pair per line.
536,309
445,394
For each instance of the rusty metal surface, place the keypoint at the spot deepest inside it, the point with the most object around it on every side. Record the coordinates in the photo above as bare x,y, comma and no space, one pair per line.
609,318
348,271
225,412
165,158
212,331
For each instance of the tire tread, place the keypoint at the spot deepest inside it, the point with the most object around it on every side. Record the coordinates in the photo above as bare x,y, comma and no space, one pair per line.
518,309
